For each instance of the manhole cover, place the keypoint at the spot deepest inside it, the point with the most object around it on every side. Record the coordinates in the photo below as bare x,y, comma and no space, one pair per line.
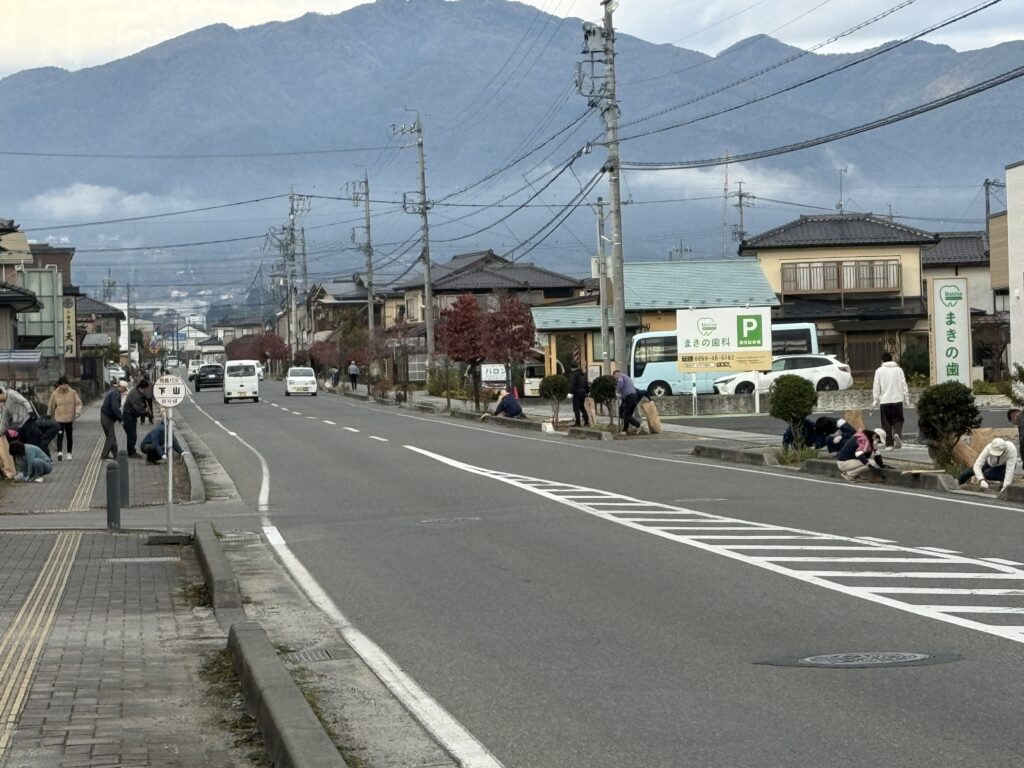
864,660
437,520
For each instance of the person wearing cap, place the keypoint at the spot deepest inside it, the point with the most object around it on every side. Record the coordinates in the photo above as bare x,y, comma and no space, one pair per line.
110,414
1013,416
859,454
508,405
996,464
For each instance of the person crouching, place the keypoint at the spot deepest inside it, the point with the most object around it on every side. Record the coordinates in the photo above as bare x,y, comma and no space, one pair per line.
860,453
153,444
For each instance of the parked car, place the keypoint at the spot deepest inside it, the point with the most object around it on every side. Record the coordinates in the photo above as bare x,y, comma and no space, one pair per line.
113,372
193,368
209,375
825,372
300,380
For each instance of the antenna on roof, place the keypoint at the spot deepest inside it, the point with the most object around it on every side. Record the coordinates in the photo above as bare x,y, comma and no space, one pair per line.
842,172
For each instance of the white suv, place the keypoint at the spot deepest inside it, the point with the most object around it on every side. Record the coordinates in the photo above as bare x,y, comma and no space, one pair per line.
825,372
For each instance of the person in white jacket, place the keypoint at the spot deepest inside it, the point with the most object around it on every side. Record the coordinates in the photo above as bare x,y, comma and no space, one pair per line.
996,463
890,393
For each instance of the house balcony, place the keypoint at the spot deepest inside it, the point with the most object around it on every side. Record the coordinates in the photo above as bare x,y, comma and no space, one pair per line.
842,277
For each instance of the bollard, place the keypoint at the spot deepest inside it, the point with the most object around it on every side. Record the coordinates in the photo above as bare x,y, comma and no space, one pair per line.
113,496
122,463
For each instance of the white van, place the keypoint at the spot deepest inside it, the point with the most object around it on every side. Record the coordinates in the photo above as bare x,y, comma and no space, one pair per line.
533,374
241,381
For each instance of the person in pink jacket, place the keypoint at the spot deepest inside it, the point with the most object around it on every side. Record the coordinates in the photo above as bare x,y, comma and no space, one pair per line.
65,406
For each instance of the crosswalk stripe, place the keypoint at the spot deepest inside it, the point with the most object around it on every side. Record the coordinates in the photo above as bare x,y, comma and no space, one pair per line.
726,536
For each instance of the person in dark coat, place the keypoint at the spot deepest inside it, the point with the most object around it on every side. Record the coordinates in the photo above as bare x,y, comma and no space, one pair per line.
579,388
153,444
135,407
508,405
832,433
110,414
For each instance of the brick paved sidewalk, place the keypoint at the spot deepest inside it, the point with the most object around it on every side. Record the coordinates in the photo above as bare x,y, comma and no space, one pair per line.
103,655
80,484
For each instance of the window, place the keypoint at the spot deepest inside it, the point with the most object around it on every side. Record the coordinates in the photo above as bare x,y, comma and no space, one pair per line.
595,341
412,309
417,367
656,350
241,370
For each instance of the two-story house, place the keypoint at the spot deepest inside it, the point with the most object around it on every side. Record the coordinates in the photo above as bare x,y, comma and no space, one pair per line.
857,276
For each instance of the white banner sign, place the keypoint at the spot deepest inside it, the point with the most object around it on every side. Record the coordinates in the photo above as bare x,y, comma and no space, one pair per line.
951,330
724,339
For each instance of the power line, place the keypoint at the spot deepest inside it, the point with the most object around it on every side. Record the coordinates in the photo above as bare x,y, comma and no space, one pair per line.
206,156
815,78
985,85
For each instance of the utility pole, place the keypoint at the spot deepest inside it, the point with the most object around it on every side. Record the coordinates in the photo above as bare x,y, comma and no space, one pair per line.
741,200
602,276
109,284
361,193
422,207
297,206
842,173
599,46
679,252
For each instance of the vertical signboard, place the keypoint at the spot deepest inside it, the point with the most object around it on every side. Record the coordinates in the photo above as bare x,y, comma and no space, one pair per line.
951,330
724,339
70,327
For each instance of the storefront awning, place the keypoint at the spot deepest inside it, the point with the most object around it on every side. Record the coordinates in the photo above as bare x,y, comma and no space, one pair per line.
94,340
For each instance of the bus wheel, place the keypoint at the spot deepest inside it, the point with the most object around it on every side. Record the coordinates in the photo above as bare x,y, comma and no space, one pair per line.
660,389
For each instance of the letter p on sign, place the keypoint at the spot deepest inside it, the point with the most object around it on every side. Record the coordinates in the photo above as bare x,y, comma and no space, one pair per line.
748,330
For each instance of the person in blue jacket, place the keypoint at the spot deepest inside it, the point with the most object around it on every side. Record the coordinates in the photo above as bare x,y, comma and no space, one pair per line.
508,405
33,463
153,444
110,414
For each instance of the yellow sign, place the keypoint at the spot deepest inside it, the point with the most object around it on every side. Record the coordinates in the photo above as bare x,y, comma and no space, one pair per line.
70,342
696,362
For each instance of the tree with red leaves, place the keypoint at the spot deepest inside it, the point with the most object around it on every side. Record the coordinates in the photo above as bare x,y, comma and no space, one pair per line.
465,336
510,334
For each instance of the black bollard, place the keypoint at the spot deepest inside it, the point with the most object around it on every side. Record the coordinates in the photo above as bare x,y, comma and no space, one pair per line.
122,463
113,496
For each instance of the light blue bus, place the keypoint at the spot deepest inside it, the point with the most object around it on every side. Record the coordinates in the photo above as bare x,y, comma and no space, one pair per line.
652,359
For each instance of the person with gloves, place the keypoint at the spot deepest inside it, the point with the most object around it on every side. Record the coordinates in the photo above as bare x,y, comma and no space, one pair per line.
996,464
860,453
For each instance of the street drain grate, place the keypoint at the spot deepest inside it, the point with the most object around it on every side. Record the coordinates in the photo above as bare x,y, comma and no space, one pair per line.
309,655
865,660
239,536
437,520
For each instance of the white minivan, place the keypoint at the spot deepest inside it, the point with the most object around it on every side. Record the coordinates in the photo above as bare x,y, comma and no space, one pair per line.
241,381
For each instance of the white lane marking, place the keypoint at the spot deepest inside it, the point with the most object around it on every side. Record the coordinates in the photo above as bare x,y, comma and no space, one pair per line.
311,417
275,405
798,546
975,609
948,591
460,743
679,501
1001,561
328,421
732,469
945,551
263,501
296,413
381,439
984,569
872,538
350,429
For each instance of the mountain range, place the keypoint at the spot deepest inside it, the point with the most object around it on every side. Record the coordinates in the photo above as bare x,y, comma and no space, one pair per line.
491,79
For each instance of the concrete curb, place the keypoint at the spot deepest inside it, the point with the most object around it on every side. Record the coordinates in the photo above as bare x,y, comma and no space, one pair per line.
356,396
529,426
757,458
294,737
196,489
585,433
220,579
422,407
928,482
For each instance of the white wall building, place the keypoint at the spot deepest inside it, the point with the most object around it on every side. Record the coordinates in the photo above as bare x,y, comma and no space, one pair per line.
1015,245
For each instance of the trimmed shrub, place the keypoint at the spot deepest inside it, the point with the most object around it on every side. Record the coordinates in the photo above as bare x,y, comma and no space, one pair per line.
945,413
554,389
602,389
792,399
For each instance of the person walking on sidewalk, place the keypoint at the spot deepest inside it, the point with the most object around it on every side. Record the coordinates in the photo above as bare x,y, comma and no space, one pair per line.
65,406
579,387
626,390
890,393
353,375
996,463
110,414
33,463
134,408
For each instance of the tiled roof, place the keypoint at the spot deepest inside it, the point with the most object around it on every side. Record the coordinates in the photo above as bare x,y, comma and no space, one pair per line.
499,277
670,285
960,248
18,298
710,283
89,306
838,229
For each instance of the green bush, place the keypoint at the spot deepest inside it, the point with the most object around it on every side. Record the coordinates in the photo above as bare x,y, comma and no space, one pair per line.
986,388
792,399
602,389
945,413
554,388
440,381
918,380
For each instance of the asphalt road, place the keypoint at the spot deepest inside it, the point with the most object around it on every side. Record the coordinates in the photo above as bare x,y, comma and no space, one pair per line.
599,625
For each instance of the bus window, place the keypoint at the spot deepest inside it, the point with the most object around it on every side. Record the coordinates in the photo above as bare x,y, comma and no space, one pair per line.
794,339
654,350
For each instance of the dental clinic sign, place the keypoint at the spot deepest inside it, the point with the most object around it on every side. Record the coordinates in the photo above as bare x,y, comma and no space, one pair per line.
951,330
724,339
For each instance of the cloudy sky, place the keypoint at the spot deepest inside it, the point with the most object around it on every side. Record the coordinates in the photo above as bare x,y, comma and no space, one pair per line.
81,33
